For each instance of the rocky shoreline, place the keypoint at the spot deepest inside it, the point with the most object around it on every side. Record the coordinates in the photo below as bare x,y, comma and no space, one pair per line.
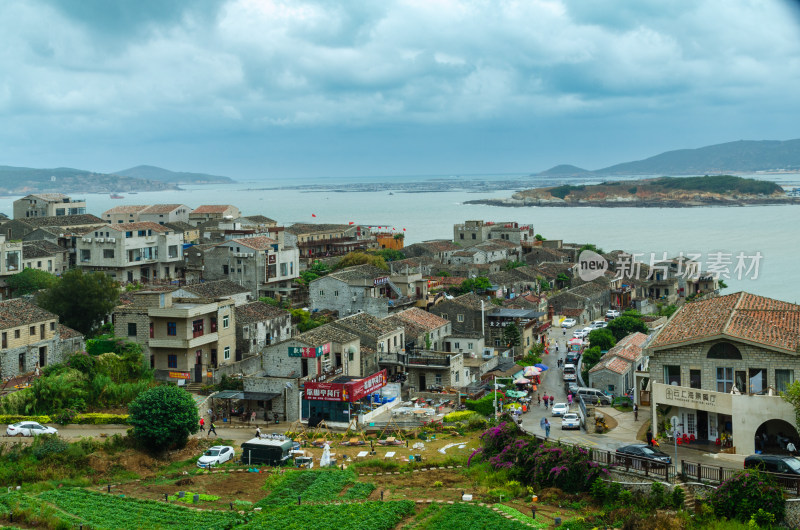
610,203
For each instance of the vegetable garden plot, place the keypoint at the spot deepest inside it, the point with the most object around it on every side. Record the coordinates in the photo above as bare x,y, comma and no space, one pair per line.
469,517
356,516
315,486
112,512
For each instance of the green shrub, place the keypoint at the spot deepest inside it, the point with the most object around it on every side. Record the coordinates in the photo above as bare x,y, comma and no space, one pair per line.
745,493
163,417
762,519
8,419
678,497
462,415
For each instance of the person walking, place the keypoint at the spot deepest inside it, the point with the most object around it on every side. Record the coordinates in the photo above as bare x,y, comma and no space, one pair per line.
253,416
556,346
541,422
202,424
635,412
545,401
569,398
546,428
552,398
649,437
539,399
258,432
212,428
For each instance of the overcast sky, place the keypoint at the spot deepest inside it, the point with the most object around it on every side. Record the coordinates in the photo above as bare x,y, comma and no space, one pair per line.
259,89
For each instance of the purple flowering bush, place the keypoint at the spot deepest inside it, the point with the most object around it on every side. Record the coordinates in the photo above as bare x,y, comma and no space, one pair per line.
745,492
532,463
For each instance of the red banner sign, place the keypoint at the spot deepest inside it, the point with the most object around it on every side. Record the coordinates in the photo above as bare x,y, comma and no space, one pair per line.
350,391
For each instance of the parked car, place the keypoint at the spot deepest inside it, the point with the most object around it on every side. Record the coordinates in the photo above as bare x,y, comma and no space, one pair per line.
594,395
787,465
29,428
645,452
571,358
214,456
598,324
570,420
568,322
581,333
569,372
612,313
559,409
571,386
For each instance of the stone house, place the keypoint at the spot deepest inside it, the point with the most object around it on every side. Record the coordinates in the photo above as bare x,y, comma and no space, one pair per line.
19,228
314,240
155,213
718,366
432,370
471,344
215,212
539,255
472,233
132,252
48,205
360,288
465,312
191,234
45,256
614,372
185,339
216,289
527,321
438,250
31,337
259,325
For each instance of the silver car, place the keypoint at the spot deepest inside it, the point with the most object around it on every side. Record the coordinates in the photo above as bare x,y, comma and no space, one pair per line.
570,420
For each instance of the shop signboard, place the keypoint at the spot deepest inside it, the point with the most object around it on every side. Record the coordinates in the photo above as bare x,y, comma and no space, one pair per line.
309,352
351,391
179,375
364,387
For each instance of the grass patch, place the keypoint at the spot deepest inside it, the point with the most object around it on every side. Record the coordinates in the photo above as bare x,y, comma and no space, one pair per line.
188,497
519,516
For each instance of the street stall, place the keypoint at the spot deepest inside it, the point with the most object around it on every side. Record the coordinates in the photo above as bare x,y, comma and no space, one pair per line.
342,398
229,404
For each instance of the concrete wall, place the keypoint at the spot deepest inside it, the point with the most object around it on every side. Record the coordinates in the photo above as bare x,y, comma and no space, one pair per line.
287,404
336,295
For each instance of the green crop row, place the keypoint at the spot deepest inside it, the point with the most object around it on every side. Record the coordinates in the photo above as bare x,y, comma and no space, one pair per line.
467,517
315,486
356,516
113,512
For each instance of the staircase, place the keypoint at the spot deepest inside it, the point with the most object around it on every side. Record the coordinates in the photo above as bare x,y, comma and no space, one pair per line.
689,500
194,388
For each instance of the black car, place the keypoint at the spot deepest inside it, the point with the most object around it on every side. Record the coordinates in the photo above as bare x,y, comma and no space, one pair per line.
788,465
643,452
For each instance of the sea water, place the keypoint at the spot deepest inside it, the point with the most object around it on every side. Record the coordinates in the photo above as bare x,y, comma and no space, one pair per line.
769,231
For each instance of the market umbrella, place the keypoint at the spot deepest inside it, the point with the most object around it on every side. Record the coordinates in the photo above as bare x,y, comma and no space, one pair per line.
541,367
530,371
521,381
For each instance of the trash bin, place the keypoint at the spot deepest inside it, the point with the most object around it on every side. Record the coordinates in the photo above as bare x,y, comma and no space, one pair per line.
417,458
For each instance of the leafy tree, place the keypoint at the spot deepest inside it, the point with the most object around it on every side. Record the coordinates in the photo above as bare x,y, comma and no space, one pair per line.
475,284
623,326
511,334
591,247
538,237
792,396
389,254
747,491
362,258
81,300
29,281
602,338
590,358
163,417
563,279
443,274
721,283
544,284
307,277
304,320
667,310
513,265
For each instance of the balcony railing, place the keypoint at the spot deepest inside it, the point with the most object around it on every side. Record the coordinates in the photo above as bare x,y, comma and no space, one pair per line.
428,360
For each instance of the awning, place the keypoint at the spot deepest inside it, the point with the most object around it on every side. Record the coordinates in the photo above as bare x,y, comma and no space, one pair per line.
238,394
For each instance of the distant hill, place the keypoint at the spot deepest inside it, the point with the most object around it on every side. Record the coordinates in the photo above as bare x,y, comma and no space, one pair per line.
177,177
743,156
565,170
24,180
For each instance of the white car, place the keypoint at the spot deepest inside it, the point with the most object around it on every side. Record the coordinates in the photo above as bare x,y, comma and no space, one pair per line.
559,409
612,313
570,420
568,322
582,333
215,456
29,428
598,324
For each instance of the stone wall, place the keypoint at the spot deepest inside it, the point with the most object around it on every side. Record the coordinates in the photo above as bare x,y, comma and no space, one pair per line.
287,403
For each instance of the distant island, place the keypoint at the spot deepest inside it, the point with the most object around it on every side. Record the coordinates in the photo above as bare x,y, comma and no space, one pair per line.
680,192
25,180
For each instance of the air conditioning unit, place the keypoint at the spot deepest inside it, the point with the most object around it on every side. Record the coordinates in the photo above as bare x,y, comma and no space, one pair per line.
100,240
87,239
111,240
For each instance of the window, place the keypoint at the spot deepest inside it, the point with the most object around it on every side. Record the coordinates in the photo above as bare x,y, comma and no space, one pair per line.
226,353
142,233
694,378
108,253
783,378
438,379
131,329
724,379
672,375
225,321
16,333
128,234
724,350
395,341
456,377
322,293
5,340
460,318
350,355
32,331
52,326
86,254
469,346
172,328
740,378
474,236
152,330
691,424
461,236
197,328
213,324
172,361
335,293
456,345
172,251
758,380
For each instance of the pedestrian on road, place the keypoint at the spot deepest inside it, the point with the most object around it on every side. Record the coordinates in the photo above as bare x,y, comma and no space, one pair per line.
541,422
258,432
556,346
539,399
635,412
545,401
202,424
212,428
546,428
649,437
569,398
253,416
552,398
565,332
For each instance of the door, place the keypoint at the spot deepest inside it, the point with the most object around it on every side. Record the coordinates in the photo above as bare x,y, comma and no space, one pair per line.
702,425
198,367
422,386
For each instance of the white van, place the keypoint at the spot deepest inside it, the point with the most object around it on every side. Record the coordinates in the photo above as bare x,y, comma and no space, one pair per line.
569,372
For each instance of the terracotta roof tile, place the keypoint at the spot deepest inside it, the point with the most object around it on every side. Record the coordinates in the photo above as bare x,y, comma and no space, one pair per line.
163,208
422,318
215,289
125,208
212,208
256,243
18,312
142,225
257,312
65,332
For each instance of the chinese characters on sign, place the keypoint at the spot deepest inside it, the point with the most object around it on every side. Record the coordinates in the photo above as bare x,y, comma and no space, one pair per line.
691,396
381,281
179,375
309,352
718,265
351,391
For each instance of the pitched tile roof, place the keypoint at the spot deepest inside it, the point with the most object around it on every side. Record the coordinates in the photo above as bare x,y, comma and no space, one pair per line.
764,321
327,333
141,225
65,332
256,243
412,329
310,228
18,312
422,318
163,208
50,196
442,245
180,226
614,364
125,208
359,272
630,347
40,249
260,219
257,312
212,208
366,324
215,289
471,300
63,220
